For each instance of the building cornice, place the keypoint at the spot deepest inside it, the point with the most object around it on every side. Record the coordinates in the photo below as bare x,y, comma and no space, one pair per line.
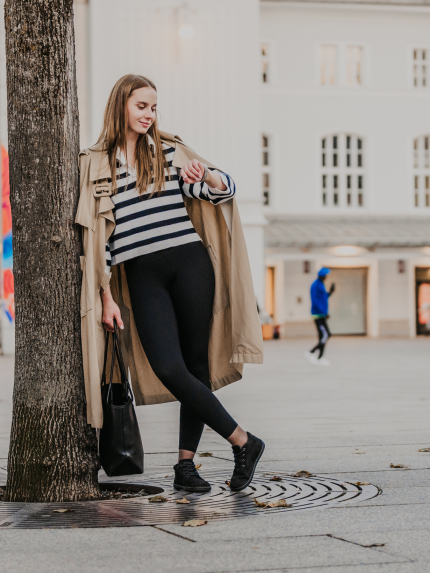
371,231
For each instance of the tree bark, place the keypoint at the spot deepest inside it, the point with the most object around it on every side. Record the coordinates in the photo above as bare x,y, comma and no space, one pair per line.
53,452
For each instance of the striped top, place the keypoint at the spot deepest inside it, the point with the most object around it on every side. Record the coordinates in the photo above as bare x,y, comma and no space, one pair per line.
146,224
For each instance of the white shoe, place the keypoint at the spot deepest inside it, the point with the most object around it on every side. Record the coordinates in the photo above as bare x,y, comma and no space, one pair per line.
311,357
322,362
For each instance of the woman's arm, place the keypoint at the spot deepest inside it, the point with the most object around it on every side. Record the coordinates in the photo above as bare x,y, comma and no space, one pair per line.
110,308
217,188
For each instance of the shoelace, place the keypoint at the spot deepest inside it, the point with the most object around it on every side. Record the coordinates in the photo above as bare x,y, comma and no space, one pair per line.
239,458
189,470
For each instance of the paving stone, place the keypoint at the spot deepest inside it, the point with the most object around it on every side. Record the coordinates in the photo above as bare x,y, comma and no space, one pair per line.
143,550
374,398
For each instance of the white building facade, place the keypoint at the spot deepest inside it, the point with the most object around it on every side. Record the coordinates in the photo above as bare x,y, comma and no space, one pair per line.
318,110
345,121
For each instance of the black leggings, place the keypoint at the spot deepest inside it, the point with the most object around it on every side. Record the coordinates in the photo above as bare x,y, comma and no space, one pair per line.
172,294
323,335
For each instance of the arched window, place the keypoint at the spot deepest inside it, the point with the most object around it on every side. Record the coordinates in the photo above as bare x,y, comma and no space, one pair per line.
342,171
422,171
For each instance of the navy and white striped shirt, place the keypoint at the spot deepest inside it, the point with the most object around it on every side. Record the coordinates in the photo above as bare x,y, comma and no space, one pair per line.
146,224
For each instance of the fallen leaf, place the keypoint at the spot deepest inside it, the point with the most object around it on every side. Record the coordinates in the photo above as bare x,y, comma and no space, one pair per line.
198,466
358,453
275,478
62,510
205,455
303,474
272,504
157,499
362,483
165,477
194,523
424,450
183,500
227,482
398,466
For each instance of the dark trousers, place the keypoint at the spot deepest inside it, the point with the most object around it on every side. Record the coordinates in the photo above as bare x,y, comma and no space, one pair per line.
172,294
323,335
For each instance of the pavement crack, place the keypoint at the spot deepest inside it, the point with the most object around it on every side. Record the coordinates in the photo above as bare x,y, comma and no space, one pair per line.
171,533
372,546
375,546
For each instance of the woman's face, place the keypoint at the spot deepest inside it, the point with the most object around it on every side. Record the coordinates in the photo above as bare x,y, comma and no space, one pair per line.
141,108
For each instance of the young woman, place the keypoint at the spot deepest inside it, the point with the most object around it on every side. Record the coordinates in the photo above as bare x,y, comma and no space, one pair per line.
175,258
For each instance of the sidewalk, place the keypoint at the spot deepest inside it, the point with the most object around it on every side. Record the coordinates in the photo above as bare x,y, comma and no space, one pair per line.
350,421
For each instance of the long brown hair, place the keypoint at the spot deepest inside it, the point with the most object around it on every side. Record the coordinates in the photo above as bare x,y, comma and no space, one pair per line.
149,170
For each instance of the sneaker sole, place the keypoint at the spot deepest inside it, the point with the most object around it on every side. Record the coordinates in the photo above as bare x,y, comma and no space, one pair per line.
253,471
198,489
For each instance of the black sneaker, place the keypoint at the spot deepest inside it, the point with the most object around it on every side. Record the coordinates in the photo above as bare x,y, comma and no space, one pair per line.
245,462
187,477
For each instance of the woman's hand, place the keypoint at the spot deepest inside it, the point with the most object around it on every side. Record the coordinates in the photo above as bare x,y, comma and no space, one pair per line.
110,311
193,171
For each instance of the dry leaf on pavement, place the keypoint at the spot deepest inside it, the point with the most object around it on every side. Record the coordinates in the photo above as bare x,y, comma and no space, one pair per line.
358,453
157,499
62,510
362,483
227,482
183,500
198,466
424,450
275,478
399,466
271,504
194,523
205,455
303,474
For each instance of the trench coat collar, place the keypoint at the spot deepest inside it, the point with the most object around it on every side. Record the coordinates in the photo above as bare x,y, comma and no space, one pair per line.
100,168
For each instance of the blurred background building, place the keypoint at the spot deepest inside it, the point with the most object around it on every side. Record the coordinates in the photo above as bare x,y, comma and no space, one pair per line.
321,113
345,116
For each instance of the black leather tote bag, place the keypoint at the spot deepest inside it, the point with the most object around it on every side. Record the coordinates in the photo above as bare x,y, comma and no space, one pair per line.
120,444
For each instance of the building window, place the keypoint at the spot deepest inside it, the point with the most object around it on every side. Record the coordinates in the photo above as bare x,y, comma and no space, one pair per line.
342,171
328,65
421,176
265,63
420,67
266,171
341,64
354,66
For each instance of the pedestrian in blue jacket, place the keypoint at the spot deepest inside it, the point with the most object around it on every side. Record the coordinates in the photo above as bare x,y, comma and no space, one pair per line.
319,311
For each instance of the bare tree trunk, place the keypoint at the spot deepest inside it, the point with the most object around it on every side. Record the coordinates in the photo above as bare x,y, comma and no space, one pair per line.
53,454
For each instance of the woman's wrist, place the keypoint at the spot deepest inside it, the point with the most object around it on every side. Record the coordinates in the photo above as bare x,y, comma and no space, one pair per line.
214,181
106,294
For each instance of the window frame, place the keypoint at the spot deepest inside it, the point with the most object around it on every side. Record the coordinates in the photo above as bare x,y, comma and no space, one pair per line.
267,170
412,85
342,64
342,172
271,62
422,173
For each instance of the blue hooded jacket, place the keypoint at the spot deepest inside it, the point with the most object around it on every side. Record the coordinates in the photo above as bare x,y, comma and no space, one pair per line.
319,298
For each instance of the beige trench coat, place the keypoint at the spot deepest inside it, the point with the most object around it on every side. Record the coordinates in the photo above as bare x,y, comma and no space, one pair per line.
235,336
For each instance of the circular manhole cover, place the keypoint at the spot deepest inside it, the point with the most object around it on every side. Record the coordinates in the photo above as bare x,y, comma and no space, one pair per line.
300,493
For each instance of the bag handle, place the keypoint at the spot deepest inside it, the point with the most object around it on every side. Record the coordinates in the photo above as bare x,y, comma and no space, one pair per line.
116,351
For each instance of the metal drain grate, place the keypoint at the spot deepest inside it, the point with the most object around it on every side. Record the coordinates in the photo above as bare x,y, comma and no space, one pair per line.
220,503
